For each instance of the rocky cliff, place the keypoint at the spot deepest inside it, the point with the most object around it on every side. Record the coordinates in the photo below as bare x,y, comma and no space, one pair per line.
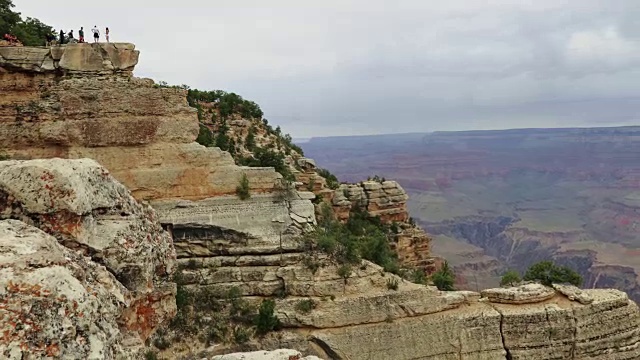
232,254
86,270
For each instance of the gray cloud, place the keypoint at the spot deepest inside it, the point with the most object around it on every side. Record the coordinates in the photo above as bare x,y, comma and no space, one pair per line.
341,67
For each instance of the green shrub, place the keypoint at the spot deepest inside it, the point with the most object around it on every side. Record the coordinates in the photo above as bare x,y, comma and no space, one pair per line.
240,335
205,137
547,273
444,278
510,278
242,190
150,355
266,321
417,276
332,180
344,272
305,306
217,331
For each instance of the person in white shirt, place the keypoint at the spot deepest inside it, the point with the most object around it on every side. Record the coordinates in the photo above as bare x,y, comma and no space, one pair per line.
96,34
106,34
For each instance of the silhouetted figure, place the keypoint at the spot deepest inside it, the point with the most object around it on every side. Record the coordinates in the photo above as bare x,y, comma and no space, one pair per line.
106,34
61,37
81,34
49,38
96,34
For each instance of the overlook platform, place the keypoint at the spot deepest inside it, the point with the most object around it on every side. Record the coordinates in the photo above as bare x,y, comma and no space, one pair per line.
69,58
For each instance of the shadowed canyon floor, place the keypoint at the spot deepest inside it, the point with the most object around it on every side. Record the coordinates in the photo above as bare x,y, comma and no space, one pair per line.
506,199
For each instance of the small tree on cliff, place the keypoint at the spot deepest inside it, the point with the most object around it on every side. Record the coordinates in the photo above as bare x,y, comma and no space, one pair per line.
444,278
547,273
242,190
510,278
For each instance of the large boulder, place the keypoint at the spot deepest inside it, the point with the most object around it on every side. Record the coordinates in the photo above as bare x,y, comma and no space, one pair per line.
87,210
55,303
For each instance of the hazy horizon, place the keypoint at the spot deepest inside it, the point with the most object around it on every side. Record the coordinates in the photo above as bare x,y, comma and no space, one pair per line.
371,67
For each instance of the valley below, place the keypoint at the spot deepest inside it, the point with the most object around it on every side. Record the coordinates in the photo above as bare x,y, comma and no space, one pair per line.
500,200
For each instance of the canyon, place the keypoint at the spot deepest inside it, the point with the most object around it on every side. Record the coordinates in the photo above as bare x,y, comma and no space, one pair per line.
499,200
105,191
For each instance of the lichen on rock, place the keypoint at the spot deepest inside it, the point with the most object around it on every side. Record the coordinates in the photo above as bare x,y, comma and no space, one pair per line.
80,204
55,303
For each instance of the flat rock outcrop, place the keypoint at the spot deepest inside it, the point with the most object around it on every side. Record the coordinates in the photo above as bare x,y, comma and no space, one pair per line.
555,328
280,354
55,303
70,58
525,294
80,204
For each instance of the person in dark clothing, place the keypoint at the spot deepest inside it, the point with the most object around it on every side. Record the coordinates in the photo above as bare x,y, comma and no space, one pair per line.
49,37
70,35
61,36
81,34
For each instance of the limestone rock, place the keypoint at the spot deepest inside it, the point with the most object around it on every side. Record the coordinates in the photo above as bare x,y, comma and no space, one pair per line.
75,58
79,203
281,354
573,293
561,329
524,294
55,303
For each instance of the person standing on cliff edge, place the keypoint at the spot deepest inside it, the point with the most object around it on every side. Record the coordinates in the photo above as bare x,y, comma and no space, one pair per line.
81,34
106,34
61,36
96,34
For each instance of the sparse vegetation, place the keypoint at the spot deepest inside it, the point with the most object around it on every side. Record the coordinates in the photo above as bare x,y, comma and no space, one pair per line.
266,321
150,355
444,278
510,278
344,272
305,306
362,237
242,190
214,317
416,276
332,180
547,273
268,158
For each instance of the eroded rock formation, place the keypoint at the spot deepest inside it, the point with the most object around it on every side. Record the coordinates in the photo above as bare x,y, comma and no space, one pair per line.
108,115
80,204
388,201
55,303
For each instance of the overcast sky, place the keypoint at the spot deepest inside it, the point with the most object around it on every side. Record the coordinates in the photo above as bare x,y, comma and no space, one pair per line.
339,67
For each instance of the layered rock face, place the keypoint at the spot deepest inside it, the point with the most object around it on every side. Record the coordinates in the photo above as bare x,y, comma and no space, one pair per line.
427,324
88,105
388,201
86,210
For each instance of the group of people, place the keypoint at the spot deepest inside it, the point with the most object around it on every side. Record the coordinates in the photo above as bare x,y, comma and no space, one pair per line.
69,37
11,40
